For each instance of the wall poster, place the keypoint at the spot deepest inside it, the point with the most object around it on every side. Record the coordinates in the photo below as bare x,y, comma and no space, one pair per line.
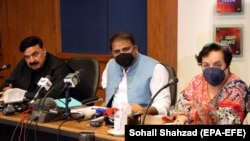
230,35
229,6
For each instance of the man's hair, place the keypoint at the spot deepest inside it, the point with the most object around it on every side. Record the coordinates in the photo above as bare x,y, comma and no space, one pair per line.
207,48
121,35
30,41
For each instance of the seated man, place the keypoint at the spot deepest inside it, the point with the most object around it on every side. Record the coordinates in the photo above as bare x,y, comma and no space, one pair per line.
133,78
36,63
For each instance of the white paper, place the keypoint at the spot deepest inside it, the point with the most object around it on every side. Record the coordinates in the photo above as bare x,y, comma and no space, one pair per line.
13,95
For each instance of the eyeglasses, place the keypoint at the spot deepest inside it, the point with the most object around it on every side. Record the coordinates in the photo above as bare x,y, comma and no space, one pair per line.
123,50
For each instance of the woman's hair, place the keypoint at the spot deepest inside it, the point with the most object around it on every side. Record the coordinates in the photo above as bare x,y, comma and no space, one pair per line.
207,48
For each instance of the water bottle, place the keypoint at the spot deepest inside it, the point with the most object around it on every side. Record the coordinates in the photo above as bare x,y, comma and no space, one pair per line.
120,120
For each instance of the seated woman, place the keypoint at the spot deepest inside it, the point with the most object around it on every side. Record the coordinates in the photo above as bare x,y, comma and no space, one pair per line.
216,96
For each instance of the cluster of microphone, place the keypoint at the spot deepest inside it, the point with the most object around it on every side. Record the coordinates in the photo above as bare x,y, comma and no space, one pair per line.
46,108
45,84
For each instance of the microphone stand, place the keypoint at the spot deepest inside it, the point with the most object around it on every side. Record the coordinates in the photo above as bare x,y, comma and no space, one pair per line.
67,115
67,101
171,82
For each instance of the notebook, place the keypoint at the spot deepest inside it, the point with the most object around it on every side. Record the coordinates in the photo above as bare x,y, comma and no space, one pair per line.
73,102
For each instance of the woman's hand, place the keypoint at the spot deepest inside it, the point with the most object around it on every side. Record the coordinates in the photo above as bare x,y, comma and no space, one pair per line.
200,108
180,119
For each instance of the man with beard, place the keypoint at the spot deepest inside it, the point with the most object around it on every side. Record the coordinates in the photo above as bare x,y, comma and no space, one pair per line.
35,64
132,78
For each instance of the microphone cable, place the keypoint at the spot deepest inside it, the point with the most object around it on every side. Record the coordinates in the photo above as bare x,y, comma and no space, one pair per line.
59,129
42,101
40,104
171,82
24,117
28,127
14,132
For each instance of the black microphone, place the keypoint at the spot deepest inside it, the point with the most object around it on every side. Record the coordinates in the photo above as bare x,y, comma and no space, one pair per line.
44,84
170,82
72,79
48,103
5,67
44,112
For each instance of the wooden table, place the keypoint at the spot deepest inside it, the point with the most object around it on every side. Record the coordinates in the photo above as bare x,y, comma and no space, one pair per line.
68,128
65,128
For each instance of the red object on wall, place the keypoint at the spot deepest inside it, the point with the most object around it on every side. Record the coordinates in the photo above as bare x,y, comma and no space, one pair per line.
229,6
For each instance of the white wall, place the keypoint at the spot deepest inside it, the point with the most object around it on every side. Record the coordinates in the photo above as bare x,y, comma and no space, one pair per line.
196,22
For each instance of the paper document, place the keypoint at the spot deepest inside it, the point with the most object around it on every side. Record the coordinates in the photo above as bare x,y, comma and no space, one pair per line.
14,95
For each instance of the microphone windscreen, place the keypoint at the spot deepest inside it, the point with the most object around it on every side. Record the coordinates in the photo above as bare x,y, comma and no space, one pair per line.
44,104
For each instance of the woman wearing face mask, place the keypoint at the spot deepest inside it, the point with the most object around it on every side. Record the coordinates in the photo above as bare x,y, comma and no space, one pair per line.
216,96
133,78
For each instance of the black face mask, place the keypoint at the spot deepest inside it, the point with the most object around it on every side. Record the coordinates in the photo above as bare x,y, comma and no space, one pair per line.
125,59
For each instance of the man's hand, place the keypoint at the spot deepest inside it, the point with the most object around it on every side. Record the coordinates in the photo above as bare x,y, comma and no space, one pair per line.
8,87
136,108
5,89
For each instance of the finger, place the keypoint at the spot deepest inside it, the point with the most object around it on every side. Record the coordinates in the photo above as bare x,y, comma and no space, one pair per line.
136,108
187,103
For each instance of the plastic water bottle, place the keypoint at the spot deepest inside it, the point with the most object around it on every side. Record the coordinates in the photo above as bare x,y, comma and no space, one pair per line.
120,120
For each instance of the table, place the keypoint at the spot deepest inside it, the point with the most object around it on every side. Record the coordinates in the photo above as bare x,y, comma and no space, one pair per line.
69,129
63,130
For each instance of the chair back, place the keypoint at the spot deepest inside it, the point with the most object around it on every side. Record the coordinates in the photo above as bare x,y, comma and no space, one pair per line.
89,80
173,88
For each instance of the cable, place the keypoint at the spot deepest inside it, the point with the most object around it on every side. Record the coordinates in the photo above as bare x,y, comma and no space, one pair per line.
35,131
29,125
24,116
14,132
42,103
58,130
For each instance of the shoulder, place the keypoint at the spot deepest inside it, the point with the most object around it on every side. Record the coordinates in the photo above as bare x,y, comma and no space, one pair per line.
54,59
234,79
146,58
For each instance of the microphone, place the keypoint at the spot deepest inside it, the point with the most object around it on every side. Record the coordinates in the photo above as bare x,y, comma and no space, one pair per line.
5,67
45,110
170,82
44,84
47,104
72,79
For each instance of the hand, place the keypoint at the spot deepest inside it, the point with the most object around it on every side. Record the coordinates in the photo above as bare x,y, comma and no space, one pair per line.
136,108
180,119
8,87
199,107
5,89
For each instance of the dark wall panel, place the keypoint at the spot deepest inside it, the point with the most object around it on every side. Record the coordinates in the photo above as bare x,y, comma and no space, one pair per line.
84,26
88,24
129,15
